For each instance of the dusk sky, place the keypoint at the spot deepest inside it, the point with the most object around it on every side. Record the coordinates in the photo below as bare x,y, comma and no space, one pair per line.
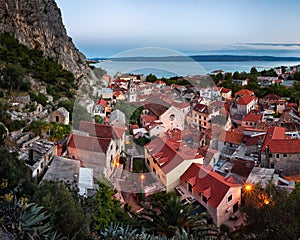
104,28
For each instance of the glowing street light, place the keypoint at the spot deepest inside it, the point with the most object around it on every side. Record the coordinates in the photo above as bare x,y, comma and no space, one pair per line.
142,177
248,187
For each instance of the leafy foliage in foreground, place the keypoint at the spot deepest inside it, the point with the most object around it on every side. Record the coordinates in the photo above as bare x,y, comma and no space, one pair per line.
168,215
273,213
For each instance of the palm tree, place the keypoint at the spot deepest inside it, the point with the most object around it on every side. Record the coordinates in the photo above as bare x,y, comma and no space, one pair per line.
169,215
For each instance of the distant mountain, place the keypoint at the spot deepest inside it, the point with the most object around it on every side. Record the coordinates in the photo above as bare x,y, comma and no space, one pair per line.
201,58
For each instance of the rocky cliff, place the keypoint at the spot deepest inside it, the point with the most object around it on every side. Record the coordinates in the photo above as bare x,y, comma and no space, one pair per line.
38,24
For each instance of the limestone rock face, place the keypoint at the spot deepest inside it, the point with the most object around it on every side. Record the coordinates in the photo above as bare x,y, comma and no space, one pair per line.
38,24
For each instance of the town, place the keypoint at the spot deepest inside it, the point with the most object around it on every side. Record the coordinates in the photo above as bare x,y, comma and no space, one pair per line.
210,139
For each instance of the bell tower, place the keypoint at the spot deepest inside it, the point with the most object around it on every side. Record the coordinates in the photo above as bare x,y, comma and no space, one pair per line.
132,91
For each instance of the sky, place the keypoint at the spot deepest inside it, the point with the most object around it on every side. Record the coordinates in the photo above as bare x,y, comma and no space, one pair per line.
104,28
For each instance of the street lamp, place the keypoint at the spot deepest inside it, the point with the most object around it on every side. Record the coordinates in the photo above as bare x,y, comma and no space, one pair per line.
142,177
248,187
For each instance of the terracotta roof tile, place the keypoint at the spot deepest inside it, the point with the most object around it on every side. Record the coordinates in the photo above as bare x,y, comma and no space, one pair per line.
101,130
242,167
243,92
209,183
245,100
92,144
252,117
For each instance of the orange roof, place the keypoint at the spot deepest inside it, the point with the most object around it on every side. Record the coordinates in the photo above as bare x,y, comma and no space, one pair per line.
102,102
231,137
291,146
91,144
168,151
242,167
149,118
245,100
276,141
243,92
212,185
225,90
101,130
252,117
272,134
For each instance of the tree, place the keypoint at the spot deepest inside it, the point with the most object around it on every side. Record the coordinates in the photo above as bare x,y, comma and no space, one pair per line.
106,208
39,127
13,76
169,215
254,71
14,171
66,212
151,78
272,213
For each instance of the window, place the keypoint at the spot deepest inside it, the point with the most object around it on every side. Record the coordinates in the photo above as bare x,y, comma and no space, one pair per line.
190,188
204,199
277,155
235,207
285,155
154,171
148,162
270,155
229,198
56,118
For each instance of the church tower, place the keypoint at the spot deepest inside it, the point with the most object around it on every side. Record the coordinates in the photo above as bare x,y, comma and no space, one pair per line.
132,91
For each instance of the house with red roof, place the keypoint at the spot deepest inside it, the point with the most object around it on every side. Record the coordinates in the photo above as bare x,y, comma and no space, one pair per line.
226,93
100,108
105,131
170,116
246,103
97,146
279,151
243,92
202,114
168,159
96,153
220,196
252,119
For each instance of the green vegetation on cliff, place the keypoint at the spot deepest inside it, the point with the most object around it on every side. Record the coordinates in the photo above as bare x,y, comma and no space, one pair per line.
18,61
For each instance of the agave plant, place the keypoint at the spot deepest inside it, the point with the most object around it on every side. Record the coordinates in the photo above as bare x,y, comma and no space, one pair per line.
25,220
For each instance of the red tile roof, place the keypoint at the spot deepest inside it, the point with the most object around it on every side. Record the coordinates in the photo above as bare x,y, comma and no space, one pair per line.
164,148
273,133
148,118
278,142
87,143
156,108
252,117
101,130
231,137
209,183
102,102
225,90
242,167
243,92
245,100
291,146
201,108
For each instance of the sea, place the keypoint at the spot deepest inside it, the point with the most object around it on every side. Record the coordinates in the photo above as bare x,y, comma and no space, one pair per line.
171,69
190,68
